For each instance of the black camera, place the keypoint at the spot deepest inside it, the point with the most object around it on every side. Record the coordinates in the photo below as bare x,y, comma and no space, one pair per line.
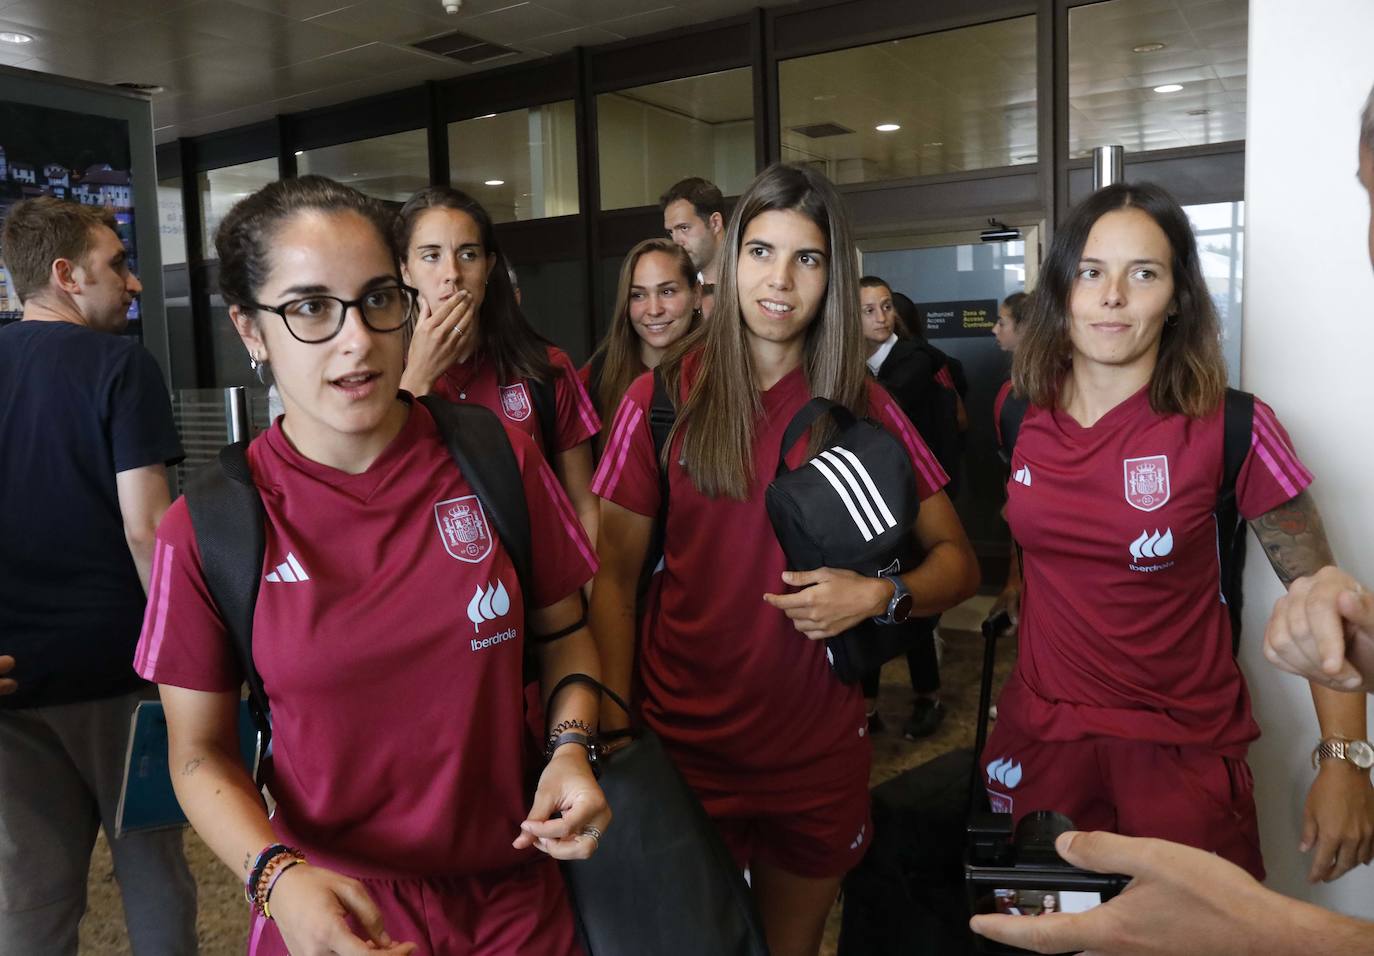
1020,874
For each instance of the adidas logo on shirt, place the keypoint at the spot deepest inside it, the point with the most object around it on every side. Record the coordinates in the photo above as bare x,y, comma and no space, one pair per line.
288,572
852,482
1022,476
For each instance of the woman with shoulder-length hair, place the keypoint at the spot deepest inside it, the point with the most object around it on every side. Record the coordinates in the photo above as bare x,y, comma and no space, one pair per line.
472,343
1127,710
729,668
399,761
657,302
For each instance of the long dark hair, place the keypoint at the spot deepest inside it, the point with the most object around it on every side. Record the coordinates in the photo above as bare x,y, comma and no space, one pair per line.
722,405
617,359
1190,374
507,338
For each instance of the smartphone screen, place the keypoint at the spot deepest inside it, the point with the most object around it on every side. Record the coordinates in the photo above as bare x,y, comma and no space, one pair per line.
1038,901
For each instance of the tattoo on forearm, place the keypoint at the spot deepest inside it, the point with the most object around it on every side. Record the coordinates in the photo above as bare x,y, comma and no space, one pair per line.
1294,539
192,766
247,861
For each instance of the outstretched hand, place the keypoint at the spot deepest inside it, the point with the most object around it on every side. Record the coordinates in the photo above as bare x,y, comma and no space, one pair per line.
567,787
1321,627
312,906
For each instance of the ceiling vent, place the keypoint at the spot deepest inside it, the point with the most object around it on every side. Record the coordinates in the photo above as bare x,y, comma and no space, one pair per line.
463,47
822,130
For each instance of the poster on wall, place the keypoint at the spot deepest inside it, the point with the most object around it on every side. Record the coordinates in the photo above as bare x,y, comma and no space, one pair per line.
70,156
971,318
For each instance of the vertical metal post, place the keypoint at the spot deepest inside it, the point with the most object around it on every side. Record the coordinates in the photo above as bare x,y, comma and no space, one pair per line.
1109,166
236,418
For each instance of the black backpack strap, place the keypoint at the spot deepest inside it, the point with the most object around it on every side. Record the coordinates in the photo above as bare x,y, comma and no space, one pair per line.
662,417
807,416
1238,419
228,520
479,446
1009,424
544,397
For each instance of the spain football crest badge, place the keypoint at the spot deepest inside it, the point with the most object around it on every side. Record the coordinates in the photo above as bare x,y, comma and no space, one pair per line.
515,402
1147,482
463,528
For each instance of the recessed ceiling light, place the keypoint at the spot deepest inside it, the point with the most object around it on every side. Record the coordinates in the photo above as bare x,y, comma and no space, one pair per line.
486,116
1169,88
933,144
494,182
8,37
1148,48
823,97
887,127
300,152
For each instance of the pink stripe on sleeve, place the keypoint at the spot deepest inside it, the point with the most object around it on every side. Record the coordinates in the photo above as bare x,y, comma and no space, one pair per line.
1284,482
159,590
571,525
926,464
585,409
944,378
613,464
1280,454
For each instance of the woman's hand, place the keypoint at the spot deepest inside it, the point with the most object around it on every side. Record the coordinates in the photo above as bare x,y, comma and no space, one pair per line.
831,601
437,342
1323,621
1338,821
567,787
311,907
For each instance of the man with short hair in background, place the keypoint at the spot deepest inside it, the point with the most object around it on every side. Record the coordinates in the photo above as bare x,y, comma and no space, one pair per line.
86,431
694,218
1183,900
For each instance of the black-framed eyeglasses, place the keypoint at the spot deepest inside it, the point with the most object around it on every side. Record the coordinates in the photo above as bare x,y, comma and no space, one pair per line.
318,318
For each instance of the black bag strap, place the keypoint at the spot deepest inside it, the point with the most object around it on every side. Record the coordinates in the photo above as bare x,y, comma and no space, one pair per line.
544,397
1009,424
662,417
807,416
479,446
227,518
1238,419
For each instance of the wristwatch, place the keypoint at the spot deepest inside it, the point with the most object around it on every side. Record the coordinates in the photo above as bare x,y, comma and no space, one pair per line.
899,607
1358,752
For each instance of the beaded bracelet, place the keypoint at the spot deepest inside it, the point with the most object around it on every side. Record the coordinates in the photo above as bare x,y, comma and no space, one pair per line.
269,864
255,871
287,863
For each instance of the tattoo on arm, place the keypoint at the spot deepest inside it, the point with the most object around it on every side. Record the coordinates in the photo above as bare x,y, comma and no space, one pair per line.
1294,539
192,766
247,862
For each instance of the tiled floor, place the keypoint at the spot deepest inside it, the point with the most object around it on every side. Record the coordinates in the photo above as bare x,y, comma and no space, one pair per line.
223,919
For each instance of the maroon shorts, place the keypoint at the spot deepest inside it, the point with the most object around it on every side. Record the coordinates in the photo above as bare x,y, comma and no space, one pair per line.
514,913
819,835
1189,795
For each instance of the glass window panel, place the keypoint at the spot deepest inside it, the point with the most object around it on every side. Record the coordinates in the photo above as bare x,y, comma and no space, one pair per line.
390,168
1220,231
961,99
649,137
1122,50
171,222
553,296
519,165
221,188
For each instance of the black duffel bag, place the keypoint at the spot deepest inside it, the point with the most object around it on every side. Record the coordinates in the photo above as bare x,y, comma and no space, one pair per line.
853,505
662,882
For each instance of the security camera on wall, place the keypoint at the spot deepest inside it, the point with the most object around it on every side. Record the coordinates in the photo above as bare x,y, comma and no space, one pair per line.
452,6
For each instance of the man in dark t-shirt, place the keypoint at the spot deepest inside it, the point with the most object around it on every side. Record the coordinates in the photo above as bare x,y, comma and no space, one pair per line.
86,431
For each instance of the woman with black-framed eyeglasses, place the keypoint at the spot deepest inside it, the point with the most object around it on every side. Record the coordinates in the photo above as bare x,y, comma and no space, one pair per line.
398,764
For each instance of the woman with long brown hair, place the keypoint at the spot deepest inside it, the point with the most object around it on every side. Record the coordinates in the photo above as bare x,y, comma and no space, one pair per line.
472,343
658,301
729,667
1127,710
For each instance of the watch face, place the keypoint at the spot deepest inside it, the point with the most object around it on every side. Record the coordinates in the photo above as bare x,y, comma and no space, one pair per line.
903,608
1360,753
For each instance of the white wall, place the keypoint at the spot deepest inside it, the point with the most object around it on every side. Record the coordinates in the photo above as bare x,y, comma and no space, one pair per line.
1309,351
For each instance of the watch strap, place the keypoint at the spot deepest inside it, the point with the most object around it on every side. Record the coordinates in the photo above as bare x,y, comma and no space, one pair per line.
1335,748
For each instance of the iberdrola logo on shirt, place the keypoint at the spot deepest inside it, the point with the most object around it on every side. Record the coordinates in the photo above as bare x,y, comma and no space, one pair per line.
463,528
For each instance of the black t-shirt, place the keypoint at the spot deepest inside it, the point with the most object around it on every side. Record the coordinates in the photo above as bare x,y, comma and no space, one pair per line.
76,407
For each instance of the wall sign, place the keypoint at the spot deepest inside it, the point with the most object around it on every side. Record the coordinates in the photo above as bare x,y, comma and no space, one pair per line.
970,318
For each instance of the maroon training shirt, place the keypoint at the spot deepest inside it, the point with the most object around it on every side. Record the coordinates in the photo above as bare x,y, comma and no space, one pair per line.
741,697
1124,632
474,382
388,632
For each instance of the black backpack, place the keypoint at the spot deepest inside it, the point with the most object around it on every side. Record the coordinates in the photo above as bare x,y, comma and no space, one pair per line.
228,519
544,398
1237,423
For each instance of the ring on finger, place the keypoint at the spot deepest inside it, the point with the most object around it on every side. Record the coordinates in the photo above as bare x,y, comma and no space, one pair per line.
593,832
